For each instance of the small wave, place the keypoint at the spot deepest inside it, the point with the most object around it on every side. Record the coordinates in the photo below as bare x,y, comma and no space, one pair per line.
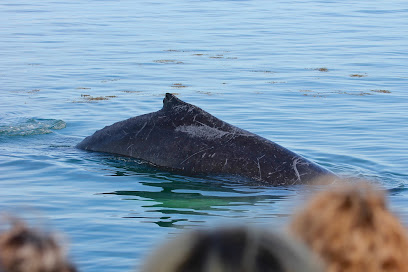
30,126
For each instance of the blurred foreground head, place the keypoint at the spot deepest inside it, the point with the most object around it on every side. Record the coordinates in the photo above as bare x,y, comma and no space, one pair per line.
231,250
23,249
351,228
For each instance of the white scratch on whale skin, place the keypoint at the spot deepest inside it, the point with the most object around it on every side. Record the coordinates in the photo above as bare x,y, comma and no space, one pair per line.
137,133
295,161
150,131
129,146
179,108
195,154
131,149
203,131
259,166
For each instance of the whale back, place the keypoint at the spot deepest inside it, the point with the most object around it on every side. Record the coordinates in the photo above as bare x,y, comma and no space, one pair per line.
183,137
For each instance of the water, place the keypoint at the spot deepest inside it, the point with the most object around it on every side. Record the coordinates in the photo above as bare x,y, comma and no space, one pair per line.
326,79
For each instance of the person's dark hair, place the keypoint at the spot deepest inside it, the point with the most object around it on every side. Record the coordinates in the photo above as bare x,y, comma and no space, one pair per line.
23,249
235,249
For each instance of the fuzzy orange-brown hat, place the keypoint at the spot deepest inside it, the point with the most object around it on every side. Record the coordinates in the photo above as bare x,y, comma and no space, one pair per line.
351,228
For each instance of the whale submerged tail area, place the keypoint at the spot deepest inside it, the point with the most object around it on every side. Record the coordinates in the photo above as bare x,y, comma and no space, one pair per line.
183,137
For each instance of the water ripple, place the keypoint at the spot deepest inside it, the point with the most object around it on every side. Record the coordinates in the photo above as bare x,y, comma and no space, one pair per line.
30,126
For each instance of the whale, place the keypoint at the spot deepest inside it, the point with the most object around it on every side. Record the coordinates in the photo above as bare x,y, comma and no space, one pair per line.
184,138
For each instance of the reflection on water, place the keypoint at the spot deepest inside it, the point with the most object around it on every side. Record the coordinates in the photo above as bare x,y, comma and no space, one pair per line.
169,201
168,198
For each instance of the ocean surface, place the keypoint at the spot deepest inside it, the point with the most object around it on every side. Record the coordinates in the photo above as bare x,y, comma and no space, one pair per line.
325,79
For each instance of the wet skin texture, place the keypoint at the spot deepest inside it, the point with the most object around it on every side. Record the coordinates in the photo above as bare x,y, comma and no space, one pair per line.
187,139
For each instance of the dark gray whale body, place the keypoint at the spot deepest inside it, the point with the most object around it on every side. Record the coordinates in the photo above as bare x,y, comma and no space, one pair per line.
186,138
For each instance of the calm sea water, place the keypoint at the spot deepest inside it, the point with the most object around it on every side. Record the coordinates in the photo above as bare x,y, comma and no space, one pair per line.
326,79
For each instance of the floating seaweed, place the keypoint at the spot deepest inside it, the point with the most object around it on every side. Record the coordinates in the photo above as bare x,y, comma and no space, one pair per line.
203,92
168,61
178,85
358,75
89,98
320,69
325,93
110,80
127,91
353,93
381,91
262,71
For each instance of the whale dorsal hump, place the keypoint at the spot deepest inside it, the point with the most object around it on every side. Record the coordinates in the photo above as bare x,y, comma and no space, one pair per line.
170,101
